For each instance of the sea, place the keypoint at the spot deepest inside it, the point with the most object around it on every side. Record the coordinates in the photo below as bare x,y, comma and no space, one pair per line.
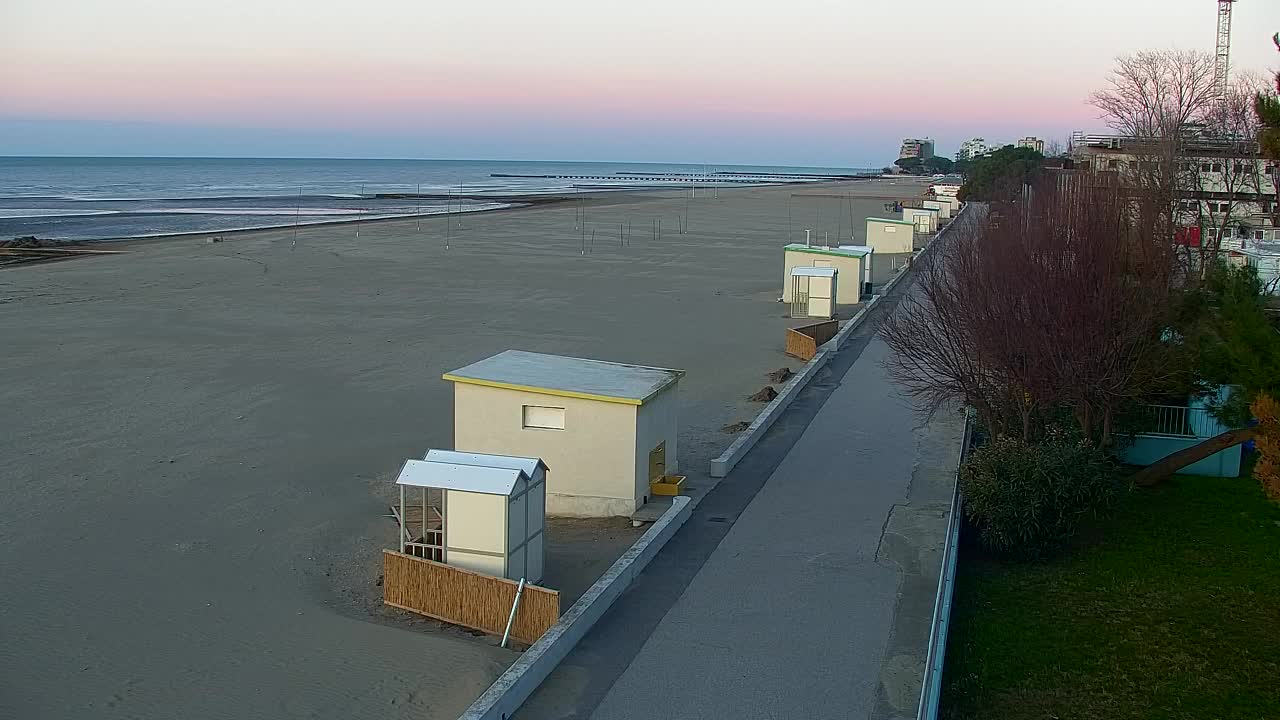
78,198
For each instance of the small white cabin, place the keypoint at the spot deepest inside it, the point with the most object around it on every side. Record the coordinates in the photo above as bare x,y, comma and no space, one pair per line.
488,514
813,292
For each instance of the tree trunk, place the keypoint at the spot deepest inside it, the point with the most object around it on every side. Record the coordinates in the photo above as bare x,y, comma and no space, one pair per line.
1161,469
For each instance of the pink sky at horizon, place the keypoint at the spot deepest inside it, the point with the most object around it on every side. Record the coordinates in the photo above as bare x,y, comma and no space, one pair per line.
823,79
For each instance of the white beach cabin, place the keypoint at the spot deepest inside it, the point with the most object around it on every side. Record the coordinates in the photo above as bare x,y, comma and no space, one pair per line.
847,261
489,516
607,428
889,236
942,206
813,292
925,219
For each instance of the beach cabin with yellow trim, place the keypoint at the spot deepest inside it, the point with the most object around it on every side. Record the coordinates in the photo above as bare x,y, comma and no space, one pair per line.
608,429
849,263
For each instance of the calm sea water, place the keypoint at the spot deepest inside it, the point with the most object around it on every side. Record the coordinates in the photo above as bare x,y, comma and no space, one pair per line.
103,198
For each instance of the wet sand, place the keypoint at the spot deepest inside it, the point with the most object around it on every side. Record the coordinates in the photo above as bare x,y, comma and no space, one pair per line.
200,438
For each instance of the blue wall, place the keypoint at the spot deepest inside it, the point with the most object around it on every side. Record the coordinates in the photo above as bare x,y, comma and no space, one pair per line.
1147,449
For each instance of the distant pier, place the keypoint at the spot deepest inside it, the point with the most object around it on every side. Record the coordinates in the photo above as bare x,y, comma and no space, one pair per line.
752,178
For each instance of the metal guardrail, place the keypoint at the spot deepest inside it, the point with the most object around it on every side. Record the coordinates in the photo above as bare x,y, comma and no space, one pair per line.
931,686
1177,421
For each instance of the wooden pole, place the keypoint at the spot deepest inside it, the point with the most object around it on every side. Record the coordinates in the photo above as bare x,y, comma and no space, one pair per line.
360,211
295,219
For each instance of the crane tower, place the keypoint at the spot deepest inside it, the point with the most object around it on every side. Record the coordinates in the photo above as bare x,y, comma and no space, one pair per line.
1222,58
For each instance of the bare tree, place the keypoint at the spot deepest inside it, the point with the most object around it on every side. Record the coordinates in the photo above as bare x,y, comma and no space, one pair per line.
1226,168
1051,304
1197,150
1156,94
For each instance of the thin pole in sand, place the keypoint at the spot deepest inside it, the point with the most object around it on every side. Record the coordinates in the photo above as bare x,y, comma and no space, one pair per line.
849,199
296,213
593,240
359,211
417,195
619,234
448,218
789,231
839,222
460,204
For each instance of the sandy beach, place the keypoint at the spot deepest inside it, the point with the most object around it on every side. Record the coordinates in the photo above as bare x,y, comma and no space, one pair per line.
201,437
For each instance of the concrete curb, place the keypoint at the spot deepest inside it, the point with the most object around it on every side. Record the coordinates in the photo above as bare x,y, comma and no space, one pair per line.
721,466
514,686
931,683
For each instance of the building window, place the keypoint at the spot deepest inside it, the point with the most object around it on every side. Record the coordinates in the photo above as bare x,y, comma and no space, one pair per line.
1257,234
891,229
1205,167
1217,167
542,417
1188,167
1113,164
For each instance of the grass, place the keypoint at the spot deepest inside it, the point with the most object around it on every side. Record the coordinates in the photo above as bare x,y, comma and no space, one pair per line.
1170,609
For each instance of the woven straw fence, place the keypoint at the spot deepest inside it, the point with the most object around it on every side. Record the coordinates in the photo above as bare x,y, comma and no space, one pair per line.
466,598
803,342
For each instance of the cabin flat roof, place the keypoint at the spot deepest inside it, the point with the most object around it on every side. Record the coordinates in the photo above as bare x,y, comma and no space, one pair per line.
893,221
460,477
567,376
837,251
527,465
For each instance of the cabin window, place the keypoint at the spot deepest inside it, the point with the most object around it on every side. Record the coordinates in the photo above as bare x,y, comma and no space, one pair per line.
542,417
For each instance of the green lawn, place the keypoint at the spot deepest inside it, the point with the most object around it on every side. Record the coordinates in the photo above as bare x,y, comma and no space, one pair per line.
1170,609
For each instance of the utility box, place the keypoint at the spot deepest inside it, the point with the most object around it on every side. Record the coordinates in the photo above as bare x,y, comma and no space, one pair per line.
608,429
847,261
813,292
925,219
890,236
490,510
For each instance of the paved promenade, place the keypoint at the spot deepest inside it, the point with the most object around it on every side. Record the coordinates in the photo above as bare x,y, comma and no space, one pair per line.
803,586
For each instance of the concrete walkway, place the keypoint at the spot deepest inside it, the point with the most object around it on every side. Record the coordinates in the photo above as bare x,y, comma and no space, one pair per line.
816,602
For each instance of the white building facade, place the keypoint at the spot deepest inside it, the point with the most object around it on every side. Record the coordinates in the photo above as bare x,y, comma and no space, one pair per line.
916,148
970,149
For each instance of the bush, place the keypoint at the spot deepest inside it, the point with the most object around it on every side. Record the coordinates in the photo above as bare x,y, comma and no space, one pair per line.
1027,500
1267,469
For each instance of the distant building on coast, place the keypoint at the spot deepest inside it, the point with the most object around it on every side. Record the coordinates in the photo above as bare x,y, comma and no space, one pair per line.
916,148
1032,142
975,148
1226,190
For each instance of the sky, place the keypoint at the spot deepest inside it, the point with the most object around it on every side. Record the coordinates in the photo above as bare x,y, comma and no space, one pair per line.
802,82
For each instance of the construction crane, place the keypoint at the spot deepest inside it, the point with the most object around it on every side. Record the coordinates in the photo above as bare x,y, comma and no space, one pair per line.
1221,63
